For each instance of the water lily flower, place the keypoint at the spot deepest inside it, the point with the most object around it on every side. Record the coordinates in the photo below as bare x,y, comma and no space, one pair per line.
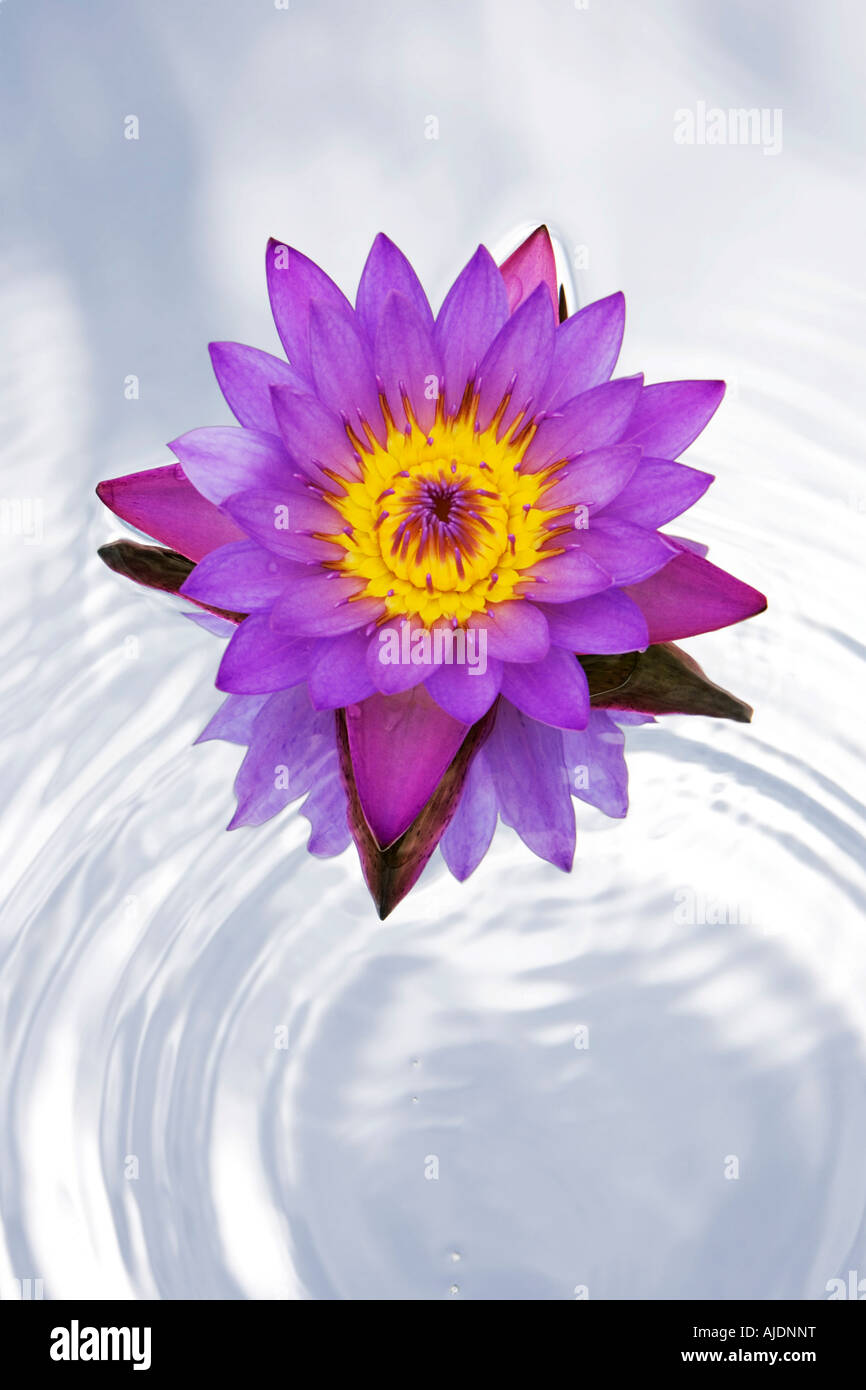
433,542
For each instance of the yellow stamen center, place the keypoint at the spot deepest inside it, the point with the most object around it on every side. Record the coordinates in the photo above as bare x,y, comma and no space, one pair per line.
443,523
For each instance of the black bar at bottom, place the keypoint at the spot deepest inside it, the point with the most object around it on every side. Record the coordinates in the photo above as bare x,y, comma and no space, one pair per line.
66,1337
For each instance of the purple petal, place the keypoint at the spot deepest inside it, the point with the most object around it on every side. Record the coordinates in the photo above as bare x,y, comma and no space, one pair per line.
573,574
467,838
257,661
463,693
323,604
338,672
400,656
670,414
554,691
294,283
234,719
658,491
518,359
391,872
240,577
343,368
516,631
589,421
407,361
532,788
163,503
690,595
285,522
608,622
696,547
290,746
595,760
533,264
474,311
325,808
594,479
387,269
585,351
314,436
212,623
221,460
245,376
400,747
626,552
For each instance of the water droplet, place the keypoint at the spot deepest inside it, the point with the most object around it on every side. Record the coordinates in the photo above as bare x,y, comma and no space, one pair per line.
455,1256
454,1290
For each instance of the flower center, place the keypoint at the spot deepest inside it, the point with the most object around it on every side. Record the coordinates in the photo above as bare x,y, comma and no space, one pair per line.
442,524
439,530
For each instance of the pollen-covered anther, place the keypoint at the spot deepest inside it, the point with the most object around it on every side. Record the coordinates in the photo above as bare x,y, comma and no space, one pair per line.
442,515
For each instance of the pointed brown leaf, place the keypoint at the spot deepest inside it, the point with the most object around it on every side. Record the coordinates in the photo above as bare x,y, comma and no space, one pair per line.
662,680
155,568
391,872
